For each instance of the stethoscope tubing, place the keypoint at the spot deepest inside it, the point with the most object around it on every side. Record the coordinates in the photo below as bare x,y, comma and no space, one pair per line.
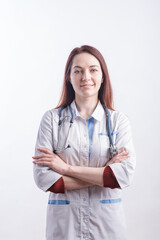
113,149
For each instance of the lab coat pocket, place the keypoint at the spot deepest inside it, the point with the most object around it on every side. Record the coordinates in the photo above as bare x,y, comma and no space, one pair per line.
61,217
56,219
107,219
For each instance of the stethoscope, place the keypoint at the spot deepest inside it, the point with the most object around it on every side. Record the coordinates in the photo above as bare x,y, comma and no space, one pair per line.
112,149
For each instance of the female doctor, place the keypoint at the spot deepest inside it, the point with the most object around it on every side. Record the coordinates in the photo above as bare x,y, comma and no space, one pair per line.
84,154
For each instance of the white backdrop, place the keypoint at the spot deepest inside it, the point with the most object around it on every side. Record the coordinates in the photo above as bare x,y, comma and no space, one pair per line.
36,37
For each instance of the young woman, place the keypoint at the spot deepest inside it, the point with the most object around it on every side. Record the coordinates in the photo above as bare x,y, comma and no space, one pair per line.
74,158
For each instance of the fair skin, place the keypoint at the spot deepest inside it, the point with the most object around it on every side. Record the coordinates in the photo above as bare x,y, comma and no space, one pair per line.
91,175
86,78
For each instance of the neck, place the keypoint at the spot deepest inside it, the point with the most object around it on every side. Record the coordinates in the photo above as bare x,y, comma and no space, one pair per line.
86,106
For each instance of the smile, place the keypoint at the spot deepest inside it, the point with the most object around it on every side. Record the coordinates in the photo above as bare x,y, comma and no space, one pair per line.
87,85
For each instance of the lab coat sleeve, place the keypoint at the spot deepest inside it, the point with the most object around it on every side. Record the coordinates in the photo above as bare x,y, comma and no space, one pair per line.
124,171
44,176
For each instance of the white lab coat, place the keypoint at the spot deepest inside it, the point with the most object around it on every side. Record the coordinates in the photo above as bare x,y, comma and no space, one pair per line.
96,212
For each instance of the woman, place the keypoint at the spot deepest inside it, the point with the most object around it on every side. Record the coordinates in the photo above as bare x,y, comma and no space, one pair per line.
73,159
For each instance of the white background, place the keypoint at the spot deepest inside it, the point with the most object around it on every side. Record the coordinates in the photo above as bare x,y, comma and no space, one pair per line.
36,37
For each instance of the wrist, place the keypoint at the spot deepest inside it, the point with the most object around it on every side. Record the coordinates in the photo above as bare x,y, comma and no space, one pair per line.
67,170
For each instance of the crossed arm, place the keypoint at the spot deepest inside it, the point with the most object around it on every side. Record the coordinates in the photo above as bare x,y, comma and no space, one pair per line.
76,177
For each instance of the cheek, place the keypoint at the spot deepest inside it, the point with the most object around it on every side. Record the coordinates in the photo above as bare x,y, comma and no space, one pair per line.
75,80
74,85
99,82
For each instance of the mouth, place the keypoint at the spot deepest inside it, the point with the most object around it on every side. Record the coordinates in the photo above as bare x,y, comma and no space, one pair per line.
87,85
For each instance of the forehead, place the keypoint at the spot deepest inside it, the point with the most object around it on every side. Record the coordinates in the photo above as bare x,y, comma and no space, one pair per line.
85,60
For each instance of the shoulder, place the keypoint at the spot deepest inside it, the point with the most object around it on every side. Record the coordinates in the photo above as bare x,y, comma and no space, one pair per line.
119,119
53,115
49,116
118,115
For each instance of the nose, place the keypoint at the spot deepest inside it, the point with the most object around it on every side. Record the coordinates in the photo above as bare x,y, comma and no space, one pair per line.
86,75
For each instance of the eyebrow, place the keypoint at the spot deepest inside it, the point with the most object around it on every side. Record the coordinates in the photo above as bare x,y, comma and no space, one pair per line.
89,66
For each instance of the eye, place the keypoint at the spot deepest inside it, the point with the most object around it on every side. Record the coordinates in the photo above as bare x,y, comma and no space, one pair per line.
77,71
93,70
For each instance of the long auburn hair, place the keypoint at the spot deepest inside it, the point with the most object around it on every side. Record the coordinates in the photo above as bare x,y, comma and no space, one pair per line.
105,94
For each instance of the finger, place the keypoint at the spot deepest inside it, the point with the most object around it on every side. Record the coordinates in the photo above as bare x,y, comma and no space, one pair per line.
122,154
120,159
38,156
121,150
42,155
45,150
42,161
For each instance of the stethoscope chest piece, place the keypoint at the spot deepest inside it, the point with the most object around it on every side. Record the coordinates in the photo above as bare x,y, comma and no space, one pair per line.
113,150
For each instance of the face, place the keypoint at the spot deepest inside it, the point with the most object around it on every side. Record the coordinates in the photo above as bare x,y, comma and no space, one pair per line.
86,75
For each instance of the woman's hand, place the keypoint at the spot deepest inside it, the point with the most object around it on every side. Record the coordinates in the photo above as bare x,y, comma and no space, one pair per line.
119,157
50,159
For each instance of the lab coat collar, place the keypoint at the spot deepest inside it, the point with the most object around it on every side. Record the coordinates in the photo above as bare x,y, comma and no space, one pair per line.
97,114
